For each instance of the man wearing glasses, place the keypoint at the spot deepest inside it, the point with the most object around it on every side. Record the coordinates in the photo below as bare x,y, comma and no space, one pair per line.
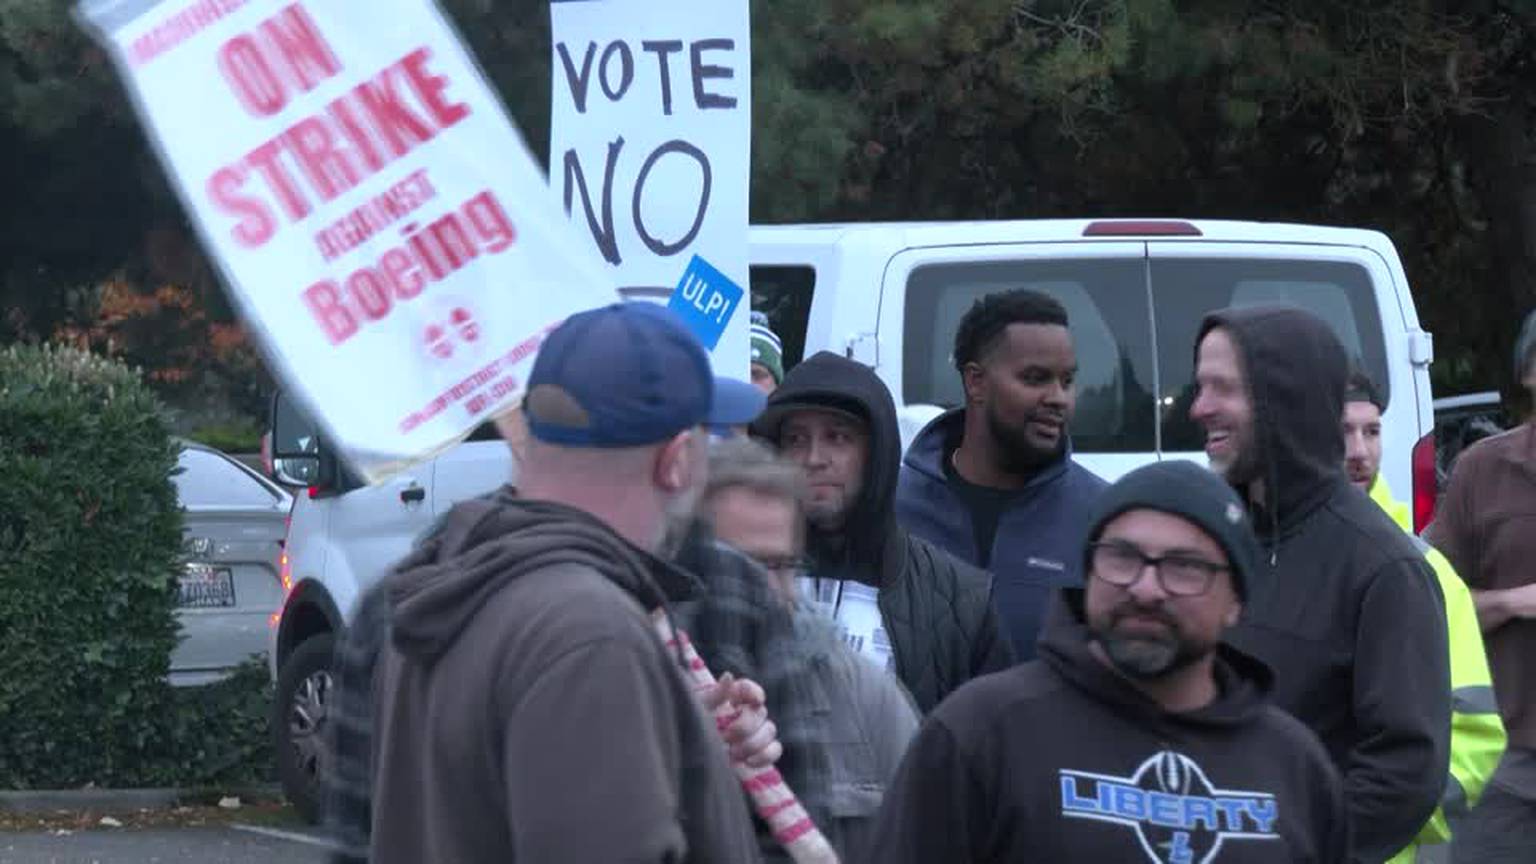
753,501
1137,735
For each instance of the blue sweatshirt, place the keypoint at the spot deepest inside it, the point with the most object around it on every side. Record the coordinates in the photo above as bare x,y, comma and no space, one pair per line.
1038,544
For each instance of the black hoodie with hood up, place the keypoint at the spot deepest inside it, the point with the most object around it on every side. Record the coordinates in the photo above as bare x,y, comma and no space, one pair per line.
1064,760
1351,618
936,608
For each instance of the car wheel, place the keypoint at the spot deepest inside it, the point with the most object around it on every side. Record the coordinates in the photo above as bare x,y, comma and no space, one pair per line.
305,689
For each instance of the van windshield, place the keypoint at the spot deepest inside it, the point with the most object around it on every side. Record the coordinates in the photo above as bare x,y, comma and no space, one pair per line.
1121,399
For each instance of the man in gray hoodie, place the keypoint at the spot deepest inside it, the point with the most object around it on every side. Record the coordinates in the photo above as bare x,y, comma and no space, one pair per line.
524,707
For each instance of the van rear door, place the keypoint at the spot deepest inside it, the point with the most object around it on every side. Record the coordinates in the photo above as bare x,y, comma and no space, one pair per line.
1342,285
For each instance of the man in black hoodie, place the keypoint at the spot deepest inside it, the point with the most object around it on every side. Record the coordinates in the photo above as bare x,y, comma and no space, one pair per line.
1352,621
1137,736
908,605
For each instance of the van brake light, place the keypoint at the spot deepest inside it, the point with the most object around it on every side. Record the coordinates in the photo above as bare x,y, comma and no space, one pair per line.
1141,228
1425,482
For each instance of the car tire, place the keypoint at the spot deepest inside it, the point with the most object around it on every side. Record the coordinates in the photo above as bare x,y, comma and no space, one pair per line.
305,689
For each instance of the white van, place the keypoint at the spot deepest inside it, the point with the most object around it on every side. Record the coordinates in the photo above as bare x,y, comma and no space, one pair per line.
891,296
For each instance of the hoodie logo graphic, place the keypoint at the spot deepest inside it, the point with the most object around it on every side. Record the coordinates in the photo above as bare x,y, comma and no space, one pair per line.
1179,817
1234,513
1047,564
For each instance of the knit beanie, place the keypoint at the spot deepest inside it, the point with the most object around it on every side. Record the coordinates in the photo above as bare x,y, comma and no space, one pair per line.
766,347
1360,388
1189,491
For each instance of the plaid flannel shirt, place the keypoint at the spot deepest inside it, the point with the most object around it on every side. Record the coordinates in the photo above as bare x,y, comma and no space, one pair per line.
347,796
738,626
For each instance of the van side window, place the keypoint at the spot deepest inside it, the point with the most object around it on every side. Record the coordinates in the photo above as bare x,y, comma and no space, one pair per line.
1106,303
784,294
1185,290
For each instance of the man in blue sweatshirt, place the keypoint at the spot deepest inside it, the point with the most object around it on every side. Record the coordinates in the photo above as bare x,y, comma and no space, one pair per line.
993,483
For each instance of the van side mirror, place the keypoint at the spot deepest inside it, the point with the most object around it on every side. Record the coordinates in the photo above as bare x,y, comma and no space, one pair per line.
299,456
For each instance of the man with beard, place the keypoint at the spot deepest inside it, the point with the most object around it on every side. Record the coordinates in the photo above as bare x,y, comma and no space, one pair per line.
1137,735
909,606
993,483
1351,620
522,705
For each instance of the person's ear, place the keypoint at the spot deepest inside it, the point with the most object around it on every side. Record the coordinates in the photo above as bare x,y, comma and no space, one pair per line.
973,377
676,463
513,427
1234,614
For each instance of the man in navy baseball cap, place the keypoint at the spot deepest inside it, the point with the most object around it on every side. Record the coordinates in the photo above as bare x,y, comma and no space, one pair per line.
546,592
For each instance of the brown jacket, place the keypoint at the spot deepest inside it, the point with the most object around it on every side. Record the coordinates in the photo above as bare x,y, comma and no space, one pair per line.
1486,526
527,712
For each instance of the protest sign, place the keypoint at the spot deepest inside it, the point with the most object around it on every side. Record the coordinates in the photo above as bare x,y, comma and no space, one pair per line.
381,225
650,143
706,300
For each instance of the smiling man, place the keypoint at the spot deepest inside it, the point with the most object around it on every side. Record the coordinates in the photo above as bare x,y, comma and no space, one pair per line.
1352,620
993,483
906,604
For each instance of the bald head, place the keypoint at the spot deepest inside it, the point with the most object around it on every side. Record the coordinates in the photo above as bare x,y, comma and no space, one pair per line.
641,492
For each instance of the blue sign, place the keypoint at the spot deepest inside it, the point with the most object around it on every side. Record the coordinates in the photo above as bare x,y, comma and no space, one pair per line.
705,299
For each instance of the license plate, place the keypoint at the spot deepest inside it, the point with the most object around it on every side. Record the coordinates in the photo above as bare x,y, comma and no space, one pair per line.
205,587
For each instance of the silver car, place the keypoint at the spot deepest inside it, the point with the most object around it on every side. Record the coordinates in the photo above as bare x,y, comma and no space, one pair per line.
231,584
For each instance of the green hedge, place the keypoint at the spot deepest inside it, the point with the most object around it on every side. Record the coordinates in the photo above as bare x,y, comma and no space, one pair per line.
90,544
230,438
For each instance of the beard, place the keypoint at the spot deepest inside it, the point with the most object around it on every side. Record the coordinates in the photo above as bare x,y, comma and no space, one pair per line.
1243,468
1017,452
677,522
1148,655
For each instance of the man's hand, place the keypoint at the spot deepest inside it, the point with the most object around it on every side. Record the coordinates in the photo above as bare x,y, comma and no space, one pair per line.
1495,608
750,736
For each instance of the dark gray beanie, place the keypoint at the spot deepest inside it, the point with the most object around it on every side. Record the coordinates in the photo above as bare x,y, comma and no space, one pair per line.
1190,491
1524,345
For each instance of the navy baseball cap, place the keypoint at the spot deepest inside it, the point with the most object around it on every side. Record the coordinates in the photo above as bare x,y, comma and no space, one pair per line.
628,375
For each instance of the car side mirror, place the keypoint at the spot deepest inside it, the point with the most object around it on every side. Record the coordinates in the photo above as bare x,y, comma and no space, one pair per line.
299,455
296,471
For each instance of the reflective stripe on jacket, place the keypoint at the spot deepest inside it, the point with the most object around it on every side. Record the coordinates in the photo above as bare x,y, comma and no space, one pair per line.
1477,733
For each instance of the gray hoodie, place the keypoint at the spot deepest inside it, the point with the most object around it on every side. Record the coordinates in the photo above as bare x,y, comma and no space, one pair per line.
526,710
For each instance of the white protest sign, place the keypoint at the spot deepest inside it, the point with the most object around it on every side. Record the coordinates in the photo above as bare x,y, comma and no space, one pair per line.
381,225
650,151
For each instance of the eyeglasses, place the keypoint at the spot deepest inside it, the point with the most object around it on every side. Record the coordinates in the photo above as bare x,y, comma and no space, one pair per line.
788,565
1120,564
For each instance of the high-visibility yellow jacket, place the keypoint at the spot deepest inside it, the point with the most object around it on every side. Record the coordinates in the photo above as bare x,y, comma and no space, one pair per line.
1477,733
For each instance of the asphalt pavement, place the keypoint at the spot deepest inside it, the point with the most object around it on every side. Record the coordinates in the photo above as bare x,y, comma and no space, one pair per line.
222,844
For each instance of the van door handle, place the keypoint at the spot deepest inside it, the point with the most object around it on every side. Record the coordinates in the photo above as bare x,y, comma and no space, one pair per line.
412,495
